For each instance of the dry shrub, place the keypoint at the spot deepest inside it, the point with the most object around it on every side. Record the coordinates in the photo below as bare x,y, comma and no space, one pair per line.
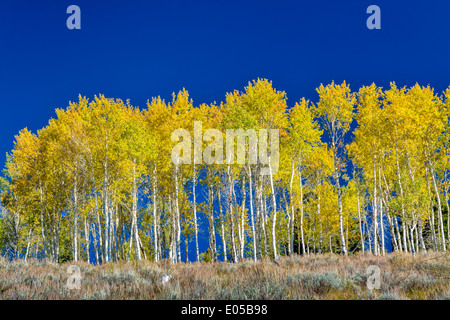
326,276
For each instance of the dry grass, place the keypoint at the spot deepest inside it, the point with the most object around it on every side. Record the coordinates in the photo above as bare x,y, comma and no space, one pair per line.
316,277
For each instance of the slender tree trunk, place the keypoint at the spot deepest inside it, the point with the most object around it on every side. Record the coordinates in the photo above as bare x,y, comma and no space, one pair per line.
197,256
300,178
252,219
417,240
258,216
287,208
230,205
212,229
106,210
131,238
375,209
385,200
242,230
320,223
368,234
359,216
397,230
392,229
438,197
222,223
177,208
163,229
314,237
405,230
75,220
339,192
155,214
41,202
292,220
28,244
420,231
112,226
274,219
186,245
141,247
381,211
94,236
448,214
87,242
172,245
401,195
433,229
134,213
99,224
117,234
264,224
411,233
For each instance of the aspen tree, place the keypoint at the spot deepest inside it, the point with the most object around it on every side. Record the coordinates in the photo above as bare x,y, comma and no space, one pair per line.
335,111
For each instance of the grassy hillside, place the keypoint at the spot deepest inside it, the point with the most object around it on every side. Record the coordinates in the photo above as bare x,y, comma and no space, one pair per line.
316,277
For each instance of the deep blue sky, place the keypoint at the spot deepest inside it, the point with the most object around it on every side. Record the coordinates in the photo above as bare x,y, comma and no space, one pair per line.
140,49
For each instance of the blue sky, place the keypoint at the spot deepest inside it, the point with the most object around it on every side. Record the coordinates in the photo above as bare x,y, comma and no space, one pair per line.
140,49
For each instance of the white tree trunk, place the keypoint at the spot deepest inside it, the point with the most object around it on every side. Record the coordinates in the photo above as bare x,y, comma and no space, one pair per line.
134,213
155,215
359,217
28,244
292,216
251,212
75,220
224,240
339,192
230,204
87,242
197,256
242,221
300,178
381,211
178,225
375,209
438,197
274,219
212,229
401,199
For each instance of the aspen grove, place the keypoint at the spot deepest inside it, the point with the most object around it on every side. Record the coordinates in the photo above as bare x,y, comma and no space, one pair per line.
358,171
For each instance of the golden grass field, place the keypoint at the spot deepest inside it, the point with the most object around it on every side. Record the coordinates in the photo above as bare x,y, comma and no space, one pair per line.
325,276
